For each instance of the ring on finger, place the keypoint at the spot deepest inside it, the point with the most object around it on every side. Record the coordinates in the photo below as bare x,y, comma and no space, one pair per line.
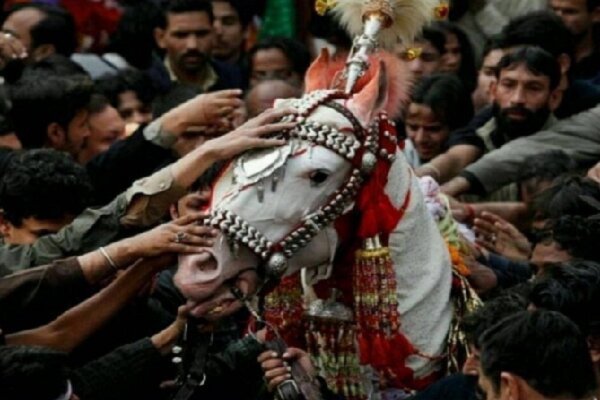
180,237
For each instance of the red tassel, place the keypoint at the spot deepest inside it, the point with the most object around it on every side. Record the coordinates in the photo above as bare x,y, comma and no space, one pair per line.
364,349
401,348
380,357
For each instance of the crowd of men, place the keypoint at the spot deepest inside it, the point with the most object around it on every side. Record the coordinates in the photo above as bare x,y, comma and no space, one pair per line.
107,152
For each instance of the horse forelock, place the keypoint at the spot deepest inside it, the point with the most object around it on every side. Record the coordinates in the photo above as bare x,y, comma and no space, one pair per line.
327,73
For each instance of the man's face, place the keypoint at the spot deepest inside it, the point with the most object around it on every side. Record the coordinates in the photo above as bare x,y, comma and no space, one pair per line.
548,251
428,134
188,40
229,32
574,14
31,229
78,131
521,101
428,61
20,23
132,110
487,75
272,64
106,127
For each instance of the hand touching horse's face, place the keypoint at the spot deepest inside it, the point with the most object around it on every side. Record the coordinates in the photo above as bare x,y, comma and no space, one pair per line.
262,197
273,191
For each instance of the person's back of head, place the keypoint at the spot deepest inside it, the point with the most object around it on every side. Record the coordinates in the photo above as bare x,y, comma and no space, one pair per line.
40,192
263,95
33,373
542,170
538,354
56,64
55,33
45,107
565,197
542,29
572,289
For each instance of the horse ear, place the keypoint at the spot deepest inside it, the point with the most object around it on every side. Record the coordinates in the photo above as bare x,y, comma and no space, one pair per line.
372,98
316,76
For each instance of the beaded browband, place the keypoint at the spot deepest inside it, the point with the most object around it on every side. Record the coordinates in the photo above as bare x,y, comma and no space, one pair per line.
361,150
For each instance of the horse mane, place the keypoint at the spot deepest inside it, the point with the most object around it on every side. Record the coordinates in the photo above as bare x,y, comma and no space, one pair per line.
326,72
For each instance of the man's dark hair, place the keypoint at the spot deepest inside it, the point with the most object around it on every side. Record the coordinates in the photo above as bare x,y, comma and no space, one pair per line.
547,166
245,9
577,235
447,97
111,86
45,184
98,103
492,311
57,28
134,37
493,43
294,50
40,99
28,372
564,197
435,36
536,60
545,349
56,64
572,289
185,6
542,29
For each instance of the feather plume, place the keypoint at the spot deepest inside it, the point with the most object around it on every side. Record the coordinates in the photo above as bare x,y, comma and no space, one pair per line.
407,19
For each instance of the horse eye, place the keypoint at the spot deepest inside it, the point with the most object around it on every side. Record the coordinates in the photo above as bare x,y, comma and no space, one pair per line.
318,177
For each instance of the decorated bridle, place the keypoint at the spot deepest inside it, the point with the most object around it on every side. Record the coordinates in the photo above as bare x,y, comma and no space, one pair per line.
361,150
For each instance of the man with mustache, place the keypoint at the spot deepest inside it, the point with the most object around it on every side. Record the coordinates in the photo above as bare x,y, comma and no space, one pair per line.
186,34
523,97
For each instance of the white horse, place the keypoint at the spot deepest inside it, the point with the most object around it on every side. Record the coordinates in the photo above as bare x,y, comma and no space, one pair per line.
275,208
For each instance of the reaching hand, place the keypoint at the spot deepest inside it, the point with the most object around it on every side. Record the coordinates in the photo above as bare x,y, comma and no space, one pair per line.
500,236
594,173
11,48
250,135
203,110
183,235
277,369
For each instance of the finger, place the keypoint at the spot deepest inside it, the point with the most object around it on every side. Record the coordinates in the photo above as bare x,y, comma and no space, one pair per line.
292,353
190,218
181,248
16,47
275,114
272,364
275,372
266,355
227,93
192,243
485,243
201,230
492,217
273,383
272,128
484,225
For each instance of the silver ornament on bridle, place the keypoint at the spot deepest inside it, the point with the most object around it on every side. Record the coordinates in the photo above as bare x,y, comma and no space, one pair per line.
275,256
